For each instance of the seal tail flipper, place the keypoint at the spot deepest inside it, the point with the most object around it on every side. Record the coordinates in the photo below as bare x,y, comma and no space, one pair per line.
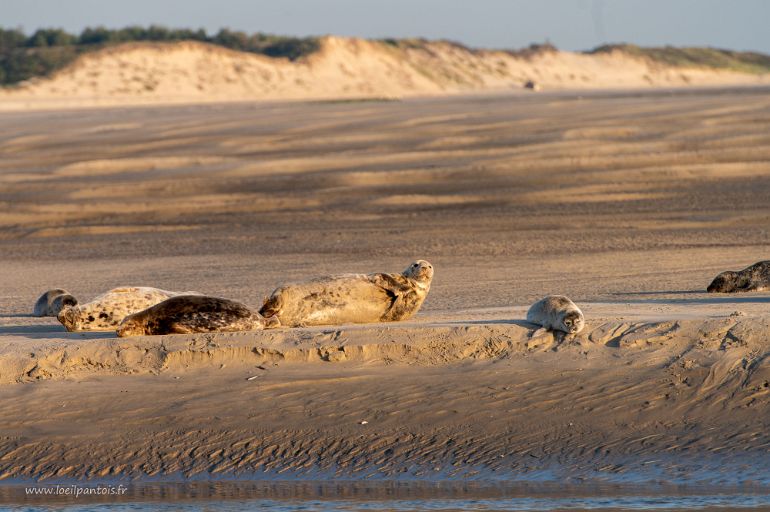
393,289
539,338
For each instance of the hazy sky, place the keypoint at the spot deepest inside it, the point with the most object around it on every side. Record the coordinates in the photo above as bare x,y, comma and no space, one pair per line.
569,24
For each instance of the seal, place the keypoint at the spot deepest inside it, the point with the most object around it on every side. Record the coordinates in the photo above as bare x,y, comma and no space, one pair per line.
106,311
556,313
187,314
351,298
755,278
52,301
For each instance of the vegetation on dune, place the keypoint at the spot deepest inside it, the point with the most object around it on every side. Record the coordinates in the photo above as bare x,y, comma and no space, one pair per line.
746,62
26,56
23,57
420,43
534,50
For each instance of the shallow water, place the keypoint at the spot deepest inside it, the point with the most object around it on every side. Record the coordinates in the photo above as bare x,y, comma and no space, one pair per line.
727,502
382,496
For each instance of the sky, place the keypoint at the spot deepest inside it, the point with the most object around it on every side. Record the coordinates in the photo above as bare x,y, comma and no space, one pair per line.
568,24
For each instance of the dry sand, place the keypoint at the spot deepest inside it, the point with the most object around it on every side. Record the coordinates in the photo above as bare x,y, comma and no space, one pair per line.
627,202
191,72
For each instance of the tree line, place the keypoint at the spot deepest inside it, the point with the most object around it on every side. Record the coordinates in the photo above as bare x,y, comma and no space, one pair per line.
25,56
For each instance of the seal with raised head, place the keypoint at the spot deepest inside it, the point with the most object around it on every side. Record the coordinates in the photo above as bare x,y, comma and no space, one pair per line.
106,311
556,313
352,298
53,301
187,314
755,278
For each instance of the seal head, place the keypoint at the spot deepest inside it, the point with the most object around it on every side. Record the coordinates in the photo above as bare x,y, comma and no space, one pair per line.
69,318
725,282
421,271
573,322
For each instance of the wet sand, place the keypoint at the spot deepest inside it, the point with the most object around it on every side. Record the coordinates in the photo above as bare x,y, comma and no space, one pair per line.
629,203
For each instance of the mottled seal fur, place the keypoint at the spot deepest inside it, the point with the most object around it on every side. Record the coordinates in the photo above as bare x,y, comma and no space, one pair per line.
352,298
106,311
557,313
755,278
52,301
186,314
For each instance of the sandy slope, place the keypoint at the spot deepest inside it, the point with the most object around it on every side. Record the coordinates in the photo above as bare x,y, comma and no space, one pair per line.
191,72
629,203
440,400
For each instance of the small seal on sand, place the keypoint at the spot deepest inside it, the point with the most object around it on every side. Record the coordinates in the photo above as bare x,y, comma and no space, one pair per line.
556,313
187,314
352,298
52,301
755,278
106,311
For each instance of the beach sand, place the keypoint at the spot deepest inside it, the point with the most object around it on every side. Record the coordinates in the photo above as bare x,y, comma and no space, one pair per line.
628,202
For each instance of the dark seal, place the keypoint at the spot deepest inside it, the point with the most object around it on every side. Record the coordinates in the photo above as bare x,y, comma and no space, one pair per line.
755,278
187,314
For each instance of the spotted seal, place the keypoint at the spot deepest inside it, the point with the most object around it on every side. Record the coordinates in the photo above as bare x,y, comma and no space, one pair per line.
52,301
352,298
106,311
755,278
186,314
556,313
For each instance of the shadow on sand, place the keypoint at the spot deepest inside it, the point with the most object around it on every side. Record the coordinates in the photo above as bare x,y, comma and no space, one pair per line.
659,292
704,300
37,332
522,323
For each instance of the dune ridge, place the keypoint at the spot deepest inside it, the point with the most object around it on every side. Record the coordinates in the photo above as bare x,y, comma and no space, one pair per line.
192,72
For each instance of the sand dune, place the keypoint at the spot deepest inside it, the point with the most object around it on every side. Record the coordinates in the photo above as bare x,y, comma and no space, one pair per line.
189,72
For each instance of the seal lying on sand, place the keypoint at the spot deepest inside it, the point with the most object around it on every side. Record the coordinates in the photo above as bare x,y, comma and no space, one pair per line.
556,313
106,311
186,314
52,301
753,278
352,298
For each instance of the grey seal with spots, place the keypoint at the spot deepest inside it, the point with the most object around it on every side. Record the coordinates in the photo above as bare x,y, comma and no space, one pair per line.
106,311
352,298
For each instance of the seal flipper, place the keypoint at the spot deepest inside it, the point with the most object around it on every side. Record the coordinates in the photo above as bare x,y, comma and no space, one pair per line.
395,290
180,328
